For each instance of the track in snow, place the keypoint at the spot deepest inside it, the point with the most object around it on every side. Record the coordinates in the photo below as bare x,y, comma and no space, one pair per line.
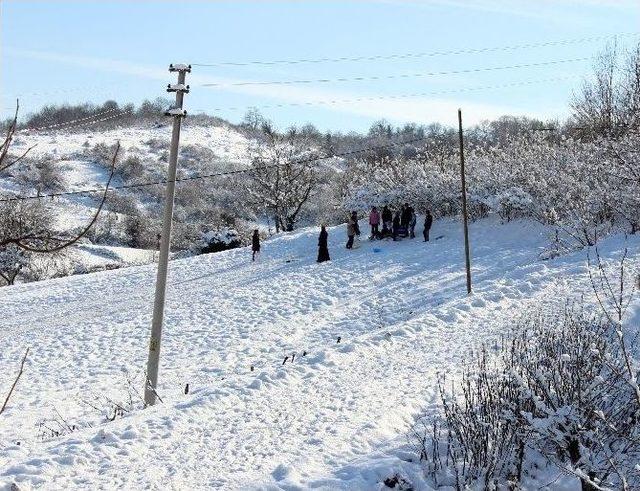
402,315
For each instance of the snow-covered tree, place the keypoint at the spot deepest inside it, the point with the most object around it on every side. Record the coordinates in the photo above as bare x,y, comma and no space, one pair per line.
281,182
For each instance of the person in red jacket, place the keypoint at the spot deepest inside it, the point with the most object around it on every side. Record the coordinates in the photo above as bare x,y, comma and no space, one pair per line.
374,221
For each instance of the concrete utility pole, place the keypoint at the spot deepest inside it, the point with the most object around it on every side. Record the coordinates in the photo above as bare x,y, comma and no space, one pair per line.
165,241
467,253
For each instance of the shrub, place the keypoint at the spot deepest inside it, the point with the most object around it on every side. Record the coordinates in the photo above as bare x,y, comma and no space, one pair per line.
42,174
219,240
554,394
140,231
131,167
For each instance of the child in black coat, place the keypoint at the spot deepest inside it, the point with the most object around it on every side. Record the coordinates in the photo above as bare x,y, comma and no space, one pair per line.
255,244
323,247
428,220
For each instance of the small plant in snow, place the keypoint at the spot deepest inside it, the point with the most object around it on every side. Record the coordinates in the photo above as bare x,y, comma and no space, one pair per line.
556,397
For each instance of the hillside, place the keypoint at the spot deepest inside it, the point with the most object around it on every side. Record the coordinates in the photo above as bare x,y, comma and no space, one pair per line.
335,418
79,158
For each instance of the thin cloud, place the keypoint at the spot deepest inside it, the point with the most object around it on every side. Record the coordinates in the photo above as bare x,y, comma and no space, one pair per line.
420,110
549,10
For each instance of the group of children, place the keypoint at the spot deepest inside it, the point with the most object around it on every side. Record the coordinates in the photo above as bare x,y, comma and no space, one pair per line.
402,223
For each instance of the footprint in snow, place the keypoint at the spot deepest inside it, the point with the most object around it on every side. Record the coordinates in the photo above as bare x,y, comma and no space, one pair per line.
281,472
478,302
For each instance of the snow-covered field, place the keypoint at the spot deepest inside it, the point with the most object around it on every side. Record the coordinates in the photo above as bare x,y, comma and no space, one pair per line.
337,417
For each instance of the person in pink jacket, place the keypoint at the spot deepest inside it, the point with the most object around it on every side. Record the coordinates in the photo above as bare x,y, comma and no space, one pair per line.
374,221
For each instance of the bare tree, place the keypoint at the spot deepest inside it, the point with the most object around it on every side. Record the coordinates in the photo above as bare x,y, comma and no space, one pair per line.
281,181
608,104
253,119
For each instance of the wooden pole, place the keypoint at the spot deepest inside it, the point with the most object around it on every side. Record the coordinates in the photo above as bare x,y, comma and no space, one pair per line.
467,253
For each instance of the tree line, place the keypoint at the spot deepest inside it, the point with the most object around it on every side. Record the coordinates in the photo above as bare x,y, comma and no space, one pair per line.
580,176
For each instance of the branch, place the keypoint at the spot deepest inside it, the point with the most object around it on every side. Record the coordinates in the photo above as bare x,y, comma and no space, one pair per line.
4,147
15,382
4,167
152,388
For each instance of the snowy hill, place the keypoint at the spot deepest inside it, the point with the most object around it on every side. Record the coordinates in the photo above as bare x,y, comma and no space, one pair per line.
223,140
335,417
80,159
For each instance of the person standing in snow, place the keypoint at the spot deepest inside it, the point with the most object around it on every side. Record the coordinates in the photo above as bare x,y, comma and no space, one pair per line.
352,229
412,224
323,246
255,244
387,219
374,221
396,225
405,218
428,220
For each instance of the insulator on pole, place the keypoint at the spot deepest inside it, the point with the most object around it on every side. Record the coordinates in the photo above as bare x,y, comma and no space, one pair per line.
180,67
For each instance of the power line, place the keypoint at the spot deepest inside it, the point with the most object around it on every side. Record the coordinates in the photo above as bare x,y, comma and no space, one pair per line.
416,54
239,171
66,123
399,96
397,76
209,176
52,118
71,124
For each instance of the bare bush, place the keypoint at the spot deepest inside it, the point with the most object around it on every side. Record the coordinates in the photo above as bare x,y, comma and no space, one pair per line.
127,400
103,409
139,231
28,220
42,174
106,230
555,396
131,168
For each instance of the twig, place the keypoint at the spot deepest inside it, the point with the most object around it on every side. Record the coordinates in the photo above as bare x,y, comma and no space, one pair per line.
15,382
152,388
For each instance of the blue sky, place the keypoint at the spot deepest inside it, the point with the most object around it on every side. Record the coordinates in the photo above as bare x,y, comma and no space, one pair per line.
73,51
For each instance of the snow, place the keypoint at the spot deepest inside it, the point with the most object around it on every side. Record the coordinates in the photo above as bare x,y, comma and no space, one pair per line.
337,417
81,174
225,236
99,256
223,140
